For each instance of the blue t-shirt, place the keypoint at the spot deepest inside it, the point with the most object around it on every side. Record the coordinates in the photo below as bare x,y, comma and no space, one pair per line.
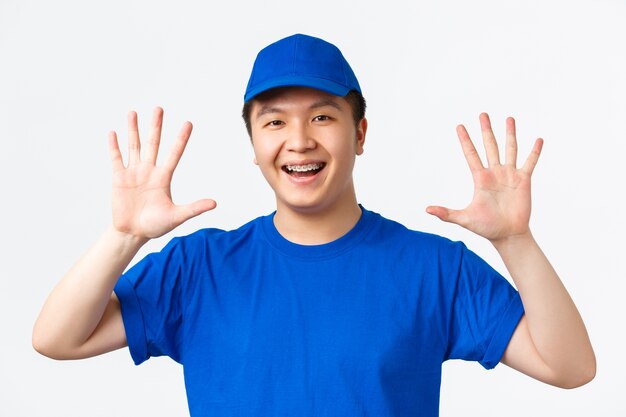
359,326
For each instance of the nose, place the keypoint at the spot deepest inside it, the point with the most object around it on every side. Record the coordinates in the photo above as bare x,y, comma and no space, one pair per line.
299,139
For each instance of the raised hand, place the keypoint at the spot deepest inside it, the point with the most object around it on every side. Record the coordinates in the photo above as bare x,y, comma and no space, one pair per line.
141,199
501,204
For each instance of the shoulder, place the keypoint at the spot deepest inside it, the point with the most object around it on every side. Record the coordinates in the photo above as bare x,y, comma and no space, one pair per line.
421,252
215,238
397,235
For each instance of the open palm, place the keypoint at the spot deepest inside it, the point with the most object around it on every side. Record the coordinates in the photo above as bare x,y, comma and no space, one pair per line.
501,205
141,196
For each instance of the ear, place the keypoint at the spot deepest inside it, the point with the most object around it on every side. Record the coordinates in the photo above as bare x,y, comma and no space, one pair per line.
255,162
360,135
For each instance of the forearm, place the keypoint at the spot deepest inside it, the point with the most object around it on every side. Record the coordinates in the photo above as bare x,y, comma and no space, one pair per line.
554,323
77,304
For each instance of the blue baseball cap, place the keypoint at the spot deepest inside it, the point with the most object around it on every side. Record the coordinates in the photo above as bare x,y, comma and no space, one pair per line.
303,61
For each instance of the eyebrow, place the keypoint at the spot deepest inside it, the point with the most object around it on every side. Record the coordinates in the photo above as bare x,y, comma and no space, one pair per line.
267,109
324,103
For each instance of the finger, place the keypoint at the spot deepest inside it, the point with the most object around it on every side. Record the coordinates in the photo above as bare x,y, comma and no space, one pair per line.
179,147
489,141
510,153
186,212
134,145
114,152
533,158
447,215
155,136
471,156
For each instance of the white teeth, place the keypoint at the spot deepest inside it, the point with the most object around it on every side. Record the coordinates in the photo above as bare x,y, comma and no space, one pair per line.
304,168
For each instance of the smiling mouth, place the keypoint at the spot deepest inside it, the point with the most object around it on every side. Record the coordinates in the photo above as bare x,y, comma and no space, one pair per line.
305,170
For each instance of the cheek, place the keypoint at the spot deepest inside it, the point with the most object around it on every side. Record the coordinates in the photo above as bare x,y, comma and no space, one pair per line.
265,152
345,156
348,148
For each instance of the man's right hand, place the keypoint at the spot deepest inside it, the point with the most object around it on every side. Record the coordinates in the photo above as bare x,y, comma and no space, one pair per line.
141,198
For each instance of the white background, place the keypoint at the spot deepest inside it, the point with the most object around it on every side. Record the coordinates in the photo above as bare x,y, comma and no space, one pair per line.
71,70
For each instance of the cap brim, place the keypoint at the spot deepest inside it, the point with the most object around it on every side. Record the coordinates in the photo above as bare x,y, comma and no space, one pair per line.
327,86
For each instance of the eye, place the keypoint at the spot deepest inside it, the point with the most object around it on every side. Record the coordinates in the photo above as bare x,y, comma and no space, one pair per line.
321,118
276,123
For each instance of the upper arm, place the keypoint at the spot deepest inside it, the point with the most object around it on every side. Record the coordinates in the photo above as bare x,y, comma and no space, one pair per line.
522,355
108,335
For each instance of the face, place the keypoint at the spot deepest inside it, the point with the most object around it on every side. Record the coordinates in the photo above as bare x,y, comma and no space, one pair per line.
305,143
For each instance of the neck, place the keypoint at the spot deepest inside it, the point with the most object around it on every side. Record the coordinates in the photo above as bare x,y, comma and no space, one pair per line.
316,227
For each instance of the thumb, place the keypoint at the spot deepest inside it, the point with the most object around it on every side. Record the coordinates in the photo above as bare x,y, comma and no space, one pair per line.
445,214
188,211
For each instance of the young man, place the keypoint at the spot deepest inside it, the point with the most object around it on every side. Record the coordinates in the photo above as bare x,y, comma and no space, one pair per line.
323,307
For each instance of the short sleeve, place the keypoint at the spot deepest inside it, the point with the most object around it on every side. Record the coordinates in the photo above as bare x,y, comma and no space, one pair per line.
486,310
149,295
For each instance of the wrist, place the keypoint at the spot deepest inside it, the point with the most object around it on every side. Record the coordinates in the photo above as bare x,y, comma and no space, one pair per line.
514,242
126,240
